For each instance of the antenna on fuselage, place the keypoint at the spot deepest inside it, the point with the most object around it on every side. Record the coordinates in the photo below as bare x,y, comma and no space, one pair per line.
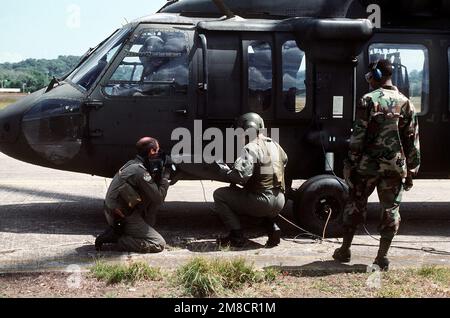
224,8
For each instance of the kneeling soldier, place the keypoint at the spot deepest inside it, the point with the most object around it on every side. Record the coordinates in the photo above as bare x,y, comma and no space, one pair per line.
133,199
260,170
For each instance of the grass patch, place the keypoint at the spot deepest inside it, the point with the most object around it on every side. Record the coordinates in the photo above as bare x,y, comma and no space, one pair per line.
435,273
130,273
271,274
323,286
207,278
391,292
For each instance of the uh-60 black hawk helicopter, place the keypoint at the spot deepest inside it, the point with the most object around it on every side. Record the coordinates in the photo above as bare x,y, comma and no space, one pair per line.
300,64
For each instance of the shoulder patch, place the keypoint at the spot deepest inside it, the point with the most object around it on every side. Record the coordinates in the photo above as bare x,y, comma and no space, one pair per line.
147,177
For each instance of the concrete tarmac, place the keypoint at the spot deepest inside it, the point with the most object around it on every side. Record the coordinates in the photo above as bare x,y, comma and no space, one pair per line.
49,220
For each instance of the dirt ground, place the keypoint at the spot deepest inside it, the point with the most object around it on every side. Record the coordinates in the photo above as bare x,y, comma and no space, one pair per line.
395,284
49,221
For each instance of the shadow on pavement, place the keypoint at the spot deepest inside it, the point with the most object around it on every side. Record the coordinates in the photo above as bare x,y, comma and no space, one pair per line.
83,215
211,246
322,268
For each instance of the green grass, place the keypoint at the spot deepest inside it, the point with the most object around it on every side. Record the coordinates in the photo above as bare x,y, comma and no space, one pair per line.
435,273
207,278
271,274
323,286
391,292
131,273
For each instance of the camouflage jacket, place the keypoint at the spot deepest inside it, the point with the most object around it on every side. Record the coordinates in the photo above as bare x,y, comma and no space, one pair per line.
385,137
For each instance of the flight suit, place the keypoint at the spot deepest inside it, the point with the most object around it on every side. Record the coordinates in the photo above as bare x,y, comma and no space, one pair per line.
138,234
260,170
384,150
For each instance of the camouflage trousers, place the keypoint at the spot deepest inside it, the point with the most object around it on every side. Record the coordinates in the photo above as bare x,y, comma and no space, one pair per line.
390,191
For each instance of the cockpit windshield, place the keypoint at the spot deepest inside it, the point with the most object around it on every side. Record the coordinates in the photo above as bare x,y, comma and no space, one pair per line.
88,72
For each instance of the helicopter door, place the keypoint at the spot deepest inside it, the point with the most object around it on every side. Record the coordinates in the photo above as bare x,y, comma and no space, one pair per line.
222,101
144,93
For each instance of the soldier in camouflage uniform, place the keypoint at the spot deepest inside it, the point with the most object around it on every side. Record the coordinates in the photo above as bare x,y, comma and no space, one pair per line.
133,199
384,154
260,171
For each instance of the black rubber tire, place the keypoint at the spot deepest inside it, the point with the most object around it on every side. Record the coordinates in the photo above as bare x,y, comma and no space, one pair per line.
316,196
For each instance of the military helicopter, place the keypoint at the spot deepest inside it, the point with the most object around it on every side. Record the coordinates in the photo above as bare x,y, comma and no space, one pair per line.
300,64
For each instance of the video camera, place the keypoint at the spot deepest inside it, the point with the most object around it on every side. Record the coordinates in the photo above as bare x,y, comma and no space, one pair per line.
157,166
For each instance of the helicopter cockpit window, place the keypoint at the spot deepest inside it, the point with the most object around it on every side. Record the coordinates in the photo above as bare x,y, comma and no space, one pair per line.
87,74
294,77
260,76
156,65
411,70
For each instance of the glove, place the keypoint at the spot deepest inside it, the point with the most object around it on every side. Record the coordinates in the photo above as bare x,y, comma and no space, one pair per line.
168,166
166,173
408,184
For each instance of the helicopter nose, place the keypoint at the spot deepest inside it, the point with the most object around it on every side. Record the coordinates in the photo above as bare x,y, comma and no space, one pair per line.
12,142
10,120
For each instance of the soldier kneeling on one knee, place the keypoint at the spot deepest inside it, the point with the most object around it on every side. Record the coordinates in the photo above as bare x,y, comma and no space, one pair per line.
260,171
133,199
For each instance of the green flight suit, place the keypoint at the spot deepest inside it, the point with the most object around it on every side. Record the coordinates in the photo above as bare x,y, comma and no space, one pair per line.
260,170
138,233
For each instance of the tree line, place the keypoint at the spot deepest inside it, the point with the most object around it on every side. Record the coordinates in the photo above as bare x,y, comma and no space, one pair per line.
33,74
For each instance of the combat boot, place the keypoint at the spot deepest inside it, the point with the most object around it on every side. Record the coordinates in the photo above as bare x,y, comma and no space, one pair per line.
382,261
343,254
108,237
273,232
235,239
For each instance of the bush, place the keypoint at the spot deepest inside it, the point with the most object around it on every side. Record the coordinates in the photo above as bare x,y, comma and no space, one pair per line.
207,278
117,273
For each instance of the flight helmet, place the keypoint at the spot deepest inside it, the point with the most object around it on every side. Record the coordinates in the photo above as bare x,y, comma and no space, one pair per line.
250,120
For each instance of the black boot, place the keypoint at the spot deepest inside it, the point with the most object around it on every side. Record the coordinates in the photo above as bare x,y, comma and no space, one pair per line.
273,232
343,254
235,239
382,261
108,237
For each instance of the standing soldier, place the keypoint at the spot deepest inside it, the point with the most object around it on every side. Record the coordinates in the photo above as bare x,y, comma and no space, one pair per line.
133,199
384,154
260,170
